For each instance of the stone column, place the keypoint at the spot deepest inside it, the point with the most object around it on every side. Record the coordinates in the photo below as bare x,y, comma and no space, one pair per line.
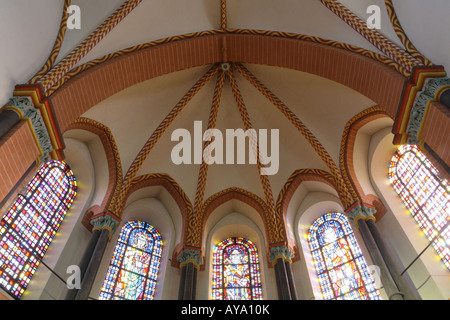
359,215
444,98
281,257
72,293
404,282
292,287
190,261
106,223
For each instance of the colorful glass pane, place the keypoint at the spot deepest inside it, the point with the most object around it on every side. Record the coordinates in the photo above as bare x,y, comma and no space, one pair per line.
341,269
425,195
235,271
134,267
30,224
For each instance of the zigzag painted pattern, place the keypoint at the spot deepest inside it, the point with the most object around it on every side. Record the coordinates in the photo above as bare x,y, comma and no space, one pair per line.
373,36
344,143
402,35
83,48
275,223
307,134
117,206
56,47
287,35
203,171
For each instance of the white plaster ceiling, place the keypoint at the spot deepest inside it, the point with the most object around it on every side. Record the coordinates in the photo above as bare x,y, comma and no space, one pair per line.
28,30
134,113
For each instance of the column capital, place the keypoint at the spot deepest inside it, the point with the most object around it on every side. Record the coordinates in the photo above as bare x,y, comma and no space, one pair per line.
360,211
431,91
190,255
425,86
105,220
31,104
280,251
26,110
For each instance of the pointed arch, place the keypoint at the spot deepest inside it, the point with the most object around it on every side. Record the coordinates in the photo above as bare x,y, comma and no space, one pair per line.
294,181
233,193
350,66
113,161
346,155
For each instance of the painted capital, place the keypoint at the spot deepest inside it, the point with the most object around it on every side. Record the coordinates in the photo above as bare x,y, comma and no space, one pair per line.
430,92
190,255
361,212
25,108
280,252
105,220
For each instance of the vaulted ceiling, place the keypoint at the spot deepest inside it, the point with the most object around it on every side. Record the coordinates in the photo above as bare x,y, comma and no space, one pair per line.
168,40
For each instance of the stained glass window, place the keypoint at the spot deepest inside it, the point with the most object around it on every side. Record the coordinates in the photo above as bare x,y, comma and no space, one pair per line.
426,196
134,267
236,274
30,224
341,270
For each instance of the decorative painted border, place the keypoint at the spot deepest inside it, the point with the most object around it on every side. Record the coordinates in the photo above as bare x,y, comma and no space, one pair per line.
346,149
430,92
402,35
294,181
226,195
412,87
223,14
122,190
111,151
24,107
285,35
58,71
248,125
180,197
386,46
29,102
307,134
56,47
203,171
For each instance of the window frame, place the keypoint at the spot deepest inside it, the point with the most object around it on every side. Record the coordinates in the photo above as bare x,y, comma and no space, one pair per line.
22,232
417,210
254,268
155,253
357,259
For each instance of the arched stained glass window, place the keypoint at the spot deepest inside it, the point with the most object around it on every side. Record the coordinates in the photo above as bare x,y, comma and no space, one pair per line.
426,196
341,269
30,224
134,267
236,274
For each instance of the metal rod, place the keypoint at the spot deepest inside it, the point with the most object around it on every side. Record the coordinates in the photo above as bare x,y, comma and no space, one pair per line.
425,249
